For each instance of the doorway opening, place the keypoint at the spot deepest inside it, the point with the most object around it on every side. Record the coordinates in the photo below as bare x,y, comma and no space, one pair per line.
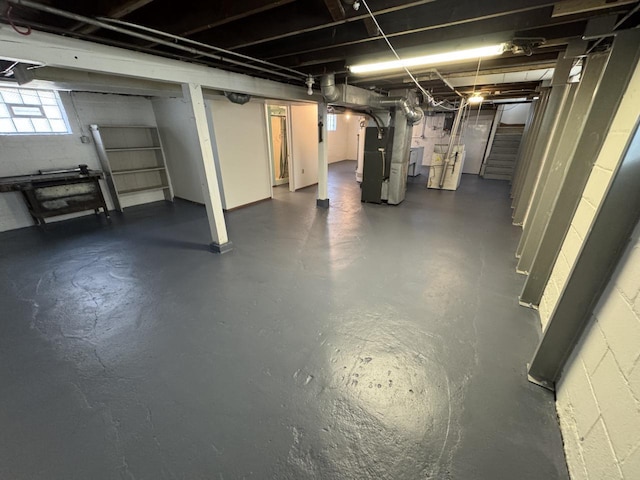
279,143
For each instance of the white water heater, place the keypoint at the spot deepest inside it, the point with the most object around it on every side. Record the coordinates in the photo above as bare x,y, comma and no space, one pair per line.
445,174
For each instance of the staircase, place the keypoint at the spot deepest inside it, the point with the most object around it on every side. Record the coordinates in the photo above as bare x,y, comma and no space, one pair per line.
502,158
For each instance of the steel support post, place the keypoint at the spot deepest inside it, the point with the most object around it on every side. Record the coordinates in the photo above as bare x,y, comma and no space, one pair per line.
564,154
208,176
323,158
601,252
542,144
525,156
574,173
535,135
526,139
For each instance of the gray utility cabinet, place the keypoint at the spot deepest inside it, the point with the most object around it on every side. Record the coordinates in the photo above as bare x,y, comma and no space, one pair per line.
415,161
133,161
377,163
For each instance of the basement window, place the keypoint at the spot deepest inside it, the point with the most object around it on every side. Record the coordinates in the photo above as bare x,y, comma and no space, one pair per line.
31,112
332,122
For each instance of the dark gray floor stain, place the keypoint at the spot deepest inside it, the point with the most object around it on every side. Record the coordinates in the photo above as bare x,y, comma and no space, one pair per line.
360,342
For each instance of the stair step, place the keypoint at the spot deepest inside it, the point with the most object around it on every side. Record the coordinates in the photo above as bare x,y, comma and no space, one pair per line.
491,176
504,150
502,156
499,170
506,141
510,128
499,163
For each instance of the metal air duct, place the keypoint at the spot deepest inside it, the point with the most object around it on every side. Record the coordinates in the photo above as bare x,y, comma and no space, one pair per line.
413,112
330,91
239,98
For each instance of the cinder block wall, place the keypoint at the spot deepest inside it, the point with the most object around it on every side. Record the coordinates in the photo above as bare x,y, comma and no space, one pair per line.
598,397
599,393
26,154
612,150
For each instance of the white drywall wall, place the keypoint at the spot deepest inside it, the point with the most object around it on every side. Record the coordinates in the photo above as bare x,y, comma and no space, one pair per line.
515,114
598,396
337,140
304,138
26,154
180,143
242,150
355,139
343,142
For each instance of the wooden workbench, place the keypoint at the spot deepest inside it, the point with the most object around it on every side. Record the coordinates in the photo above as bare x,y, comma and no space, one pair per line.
59,193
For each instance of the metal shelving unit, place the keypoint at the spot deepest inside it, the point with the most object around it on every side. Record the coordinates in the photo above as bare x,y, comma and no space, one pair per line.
133,160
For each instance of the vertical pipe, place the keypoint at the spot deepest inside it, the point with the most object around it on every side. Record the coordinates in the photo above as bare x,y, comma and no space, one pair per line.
456,124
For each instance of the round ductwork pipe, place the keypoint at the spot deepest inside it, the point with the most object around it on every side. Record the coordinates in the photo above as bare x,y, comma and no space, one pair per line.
239,98
413,113
330,91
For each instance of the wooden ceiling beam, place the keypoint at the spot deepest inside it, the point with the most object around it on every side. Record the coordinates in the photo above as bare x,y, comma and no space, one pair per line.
335,9
372,29
519,24
117,12
573,7
236,11
500,15
268,29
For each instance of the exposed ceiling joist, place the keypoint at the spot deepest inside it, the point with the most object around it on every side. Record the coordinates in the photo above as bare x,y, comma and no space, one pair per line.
335,9
271,31
573,7
325,36
233,12
117,12
372,29
519,14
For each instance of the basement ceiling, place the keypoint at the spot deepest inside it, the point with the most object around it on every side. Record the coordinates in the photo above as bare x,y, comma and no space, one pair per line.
326,36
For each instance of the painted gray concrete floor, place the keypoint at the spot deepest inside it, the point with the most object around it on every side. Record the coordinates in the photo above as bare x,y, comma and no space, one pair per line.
362,342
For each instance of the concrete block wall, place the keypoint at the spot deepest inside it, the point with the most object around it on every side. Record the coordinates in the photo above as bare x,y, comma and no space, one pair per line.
612,150
26,154
598,397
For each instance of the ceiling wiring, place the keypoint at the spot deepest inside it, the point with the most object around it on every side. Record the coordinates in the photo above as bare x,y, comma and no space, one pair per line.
427,95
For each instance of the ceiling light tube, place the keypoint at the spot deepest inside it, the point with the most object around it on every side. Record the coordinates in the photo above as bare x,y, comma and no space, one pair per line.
436,59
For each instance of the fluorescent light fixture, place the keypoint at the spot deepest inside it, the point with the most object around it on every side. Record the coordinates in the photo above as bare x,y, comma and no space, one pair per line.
475,99
438,58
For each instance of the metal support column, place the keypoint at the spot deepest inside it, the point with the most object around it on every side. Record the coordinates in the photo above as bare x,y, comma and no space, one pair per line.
532,138
323,158
526,138
564,154
601,252
574,173
557,138
208,177
540,150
